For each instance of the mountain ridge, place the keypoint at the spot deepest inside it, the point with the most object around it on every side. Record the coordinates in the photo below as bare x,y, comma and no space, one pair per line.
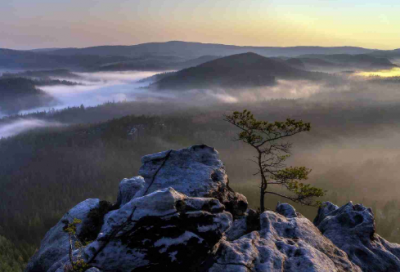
191,47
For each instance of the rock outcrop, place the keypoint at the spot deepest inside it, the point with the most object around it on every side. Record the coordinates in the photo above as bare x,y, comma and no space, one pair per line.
181,215
55,244
194,171
352,228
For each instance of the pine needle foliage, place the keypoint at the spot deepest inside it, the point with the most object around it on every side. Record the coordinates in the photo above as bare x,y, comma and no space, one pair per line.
268,139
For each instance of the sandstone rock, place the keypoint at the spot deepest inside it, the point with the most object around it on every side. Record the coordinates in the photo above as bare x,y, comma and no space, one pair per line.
128,189
323,211
286,210
175,218
290,243
243,225
55,244
195,171
93,269
352,228
162,230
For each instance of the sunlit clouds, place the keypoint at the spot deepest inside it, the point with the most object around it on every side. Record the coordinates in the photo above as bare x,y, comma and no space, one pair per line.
395,72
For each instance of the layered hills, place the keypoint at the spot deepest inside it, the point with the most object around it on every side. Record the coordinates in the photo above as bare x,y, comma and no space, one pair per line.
173,55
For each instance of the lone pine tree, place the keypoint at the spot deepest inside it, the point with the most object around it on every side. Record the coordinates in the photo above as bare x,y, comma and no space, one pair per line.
268,141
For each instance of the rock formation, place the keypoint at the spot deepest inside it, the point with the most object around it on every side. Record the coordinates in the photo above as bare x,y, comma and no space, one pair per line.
181,215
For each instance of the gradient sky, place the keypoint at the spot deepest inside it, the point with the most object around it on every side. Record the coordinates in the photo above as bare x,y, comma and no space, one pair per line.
29,24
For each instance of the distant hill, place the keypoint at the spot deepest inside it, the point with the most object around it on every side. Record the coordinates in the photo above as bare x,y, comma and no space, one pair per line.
15,59
193,49
44,74
362,61
390,54
159,56
237,71
296,63
21,94
155,63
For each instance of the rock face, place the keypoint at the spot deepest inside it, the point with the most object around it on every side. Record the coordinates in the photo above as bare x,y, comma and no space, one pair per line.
162,229
285,242
352,228
55,244
194,171
128,188
181,215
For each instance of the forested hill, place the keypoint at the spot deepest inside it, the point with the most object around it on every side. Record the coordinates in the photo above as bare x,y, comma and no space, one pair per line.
21,94
237,71
194,49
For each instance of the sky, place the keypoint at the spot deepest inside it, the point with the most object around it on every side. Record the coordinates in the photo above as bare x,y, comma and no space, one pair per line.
28,24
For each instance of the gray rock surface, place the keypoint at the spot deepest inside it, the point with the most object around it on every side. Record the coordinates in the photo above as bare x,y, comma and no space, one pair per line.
243,225
290,243
128,188
55,244
162,230
182,216
93,269
286,210
352,228
195,171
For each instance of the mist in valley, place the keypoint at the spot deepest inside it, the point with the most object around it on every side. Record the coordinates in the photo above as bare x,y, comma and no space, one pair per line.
99,129
88,88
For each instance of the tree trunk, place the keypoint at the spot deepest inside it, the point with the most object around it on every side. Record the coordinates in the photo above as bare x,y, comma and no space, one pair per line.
262,195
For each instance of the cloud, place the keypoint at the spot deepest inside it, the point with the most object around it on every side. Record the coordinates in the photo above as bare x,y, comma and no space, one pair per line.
96,89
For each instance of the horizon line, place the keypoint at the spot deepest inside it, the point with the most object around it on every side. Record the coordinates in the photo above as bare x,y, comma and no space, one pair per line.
193,42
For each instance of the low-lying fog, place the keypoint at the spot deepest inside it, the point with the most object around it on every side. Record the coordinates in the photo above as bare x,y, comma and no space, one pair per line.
22,125
98,88
352,148
94,89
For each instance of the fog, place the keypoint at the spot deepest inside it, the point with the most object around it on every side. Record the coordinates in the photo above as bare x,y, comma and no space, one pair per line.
23,125
352,147
96,89
352,117
343,90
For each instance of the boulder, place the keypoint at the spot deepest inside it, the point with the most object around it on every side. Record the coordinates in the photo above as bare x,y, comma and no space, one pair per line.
352,229
195,171
128,188
55,244
286,210
243,225
284,243
162,230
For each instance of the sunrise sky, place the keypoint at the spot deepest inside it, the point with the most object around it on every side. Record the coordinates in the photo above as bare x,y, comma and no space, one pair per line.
27,24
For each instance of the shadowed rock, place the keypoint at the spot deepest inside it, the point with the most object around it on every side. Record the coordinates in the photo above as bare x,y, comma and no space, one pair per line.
162,230
352,228
128,189
284,243
55,244
181,215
